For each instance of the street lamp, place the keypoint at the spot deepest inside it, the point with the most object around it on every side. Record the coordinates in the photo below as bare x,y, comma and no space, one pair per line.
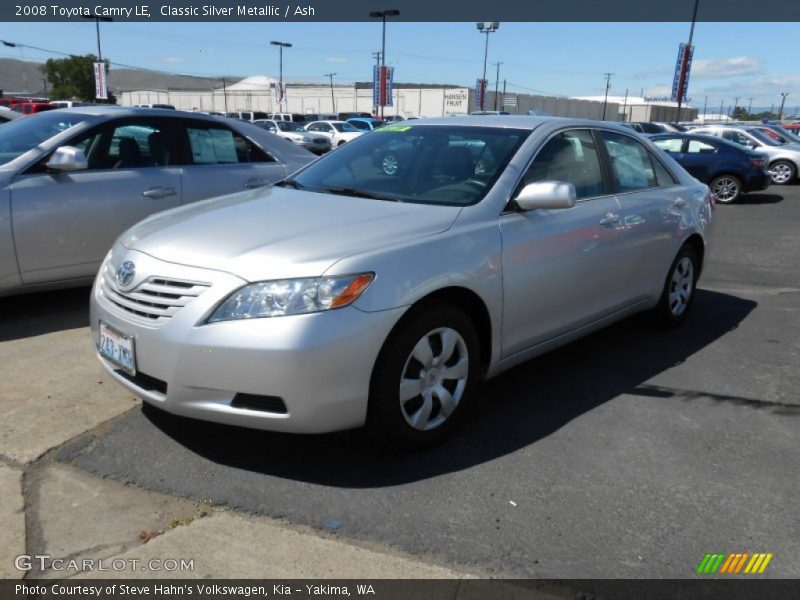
382,14
281,46
22,60
688,49
487,28
783,101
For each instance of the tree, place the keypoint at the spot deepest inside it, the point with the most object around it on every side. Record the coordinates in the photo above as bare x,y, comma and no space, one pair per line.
72,77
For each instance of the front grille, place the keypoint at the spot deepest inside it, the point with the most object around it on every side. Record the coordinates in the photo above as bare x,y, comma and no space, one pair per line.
144,381
156,299
320,140
272,404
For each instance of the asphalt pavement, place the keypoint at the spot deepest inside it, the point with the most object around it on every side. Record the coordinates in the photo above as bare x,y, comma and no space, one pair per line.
630,453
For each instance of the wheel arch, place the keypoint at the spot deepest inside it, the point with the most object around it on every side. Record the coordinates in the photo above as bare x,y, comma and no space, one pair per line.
697,242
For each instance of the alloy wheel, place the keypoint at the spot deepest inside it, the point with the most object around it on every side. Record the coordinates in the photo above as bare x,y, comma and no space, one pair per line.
390,165
725,189
781,173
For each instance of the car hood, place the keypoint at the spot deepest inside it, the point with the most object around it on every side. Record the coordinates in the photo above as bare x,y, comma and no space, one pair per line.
281,233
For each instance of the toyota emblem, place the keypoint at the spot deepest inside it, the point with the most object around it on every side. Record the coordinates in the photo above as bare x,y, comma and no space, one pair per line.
125,273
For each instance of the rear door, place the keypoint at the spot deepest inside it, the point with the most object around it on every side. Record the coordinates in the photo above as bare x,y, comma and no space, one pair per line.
64,224
218,160
652,203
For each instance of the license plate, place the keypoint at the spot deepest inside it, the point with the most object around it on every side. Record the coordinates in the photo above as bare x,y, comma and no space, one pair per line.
117,348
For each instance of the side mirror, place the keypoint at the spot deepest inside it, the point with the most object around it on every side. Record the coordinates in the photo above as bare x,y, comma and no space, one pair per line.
546,194
67,158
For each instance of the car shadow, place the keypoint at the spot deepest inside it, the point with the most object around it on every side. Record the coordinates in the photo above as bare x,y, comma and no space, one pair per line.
759,199
29,315
512,411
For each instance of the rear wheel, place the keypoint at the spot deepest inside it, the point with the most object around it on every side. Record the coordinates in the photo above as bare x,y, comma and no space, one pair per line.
782,172
424,377
679,289
726,189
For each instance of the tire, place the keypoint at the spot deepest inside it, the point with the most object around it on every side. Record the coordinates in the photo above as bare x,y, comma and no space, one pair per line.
390,164
413,403
726,188
679,288
782,172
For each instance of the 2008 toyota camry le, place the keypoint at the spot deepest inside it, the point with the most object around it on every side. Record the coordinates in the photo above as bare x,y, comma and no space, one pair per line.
351,294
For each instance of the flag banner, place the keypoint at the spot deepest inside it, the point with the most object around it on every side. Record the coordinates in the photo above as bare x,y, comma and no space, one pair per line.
480,93
683,65
382,80
100,87
280,93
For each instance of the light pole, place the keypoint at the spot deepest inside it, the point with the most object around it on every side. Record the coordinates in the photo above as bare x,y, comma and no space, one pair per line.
22,60
281,46
97,20
382,14
605,100
333,102
749,106
783,101
497,84
486,27
735,104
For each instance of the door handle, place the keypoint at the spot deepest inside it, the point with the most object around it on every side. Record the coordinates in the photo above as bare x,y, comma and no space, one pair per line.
609,219
159,192
255,182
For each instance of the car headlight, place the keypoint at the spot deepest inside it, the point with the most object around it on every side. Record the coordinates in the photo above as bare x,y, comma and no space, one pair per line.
292,297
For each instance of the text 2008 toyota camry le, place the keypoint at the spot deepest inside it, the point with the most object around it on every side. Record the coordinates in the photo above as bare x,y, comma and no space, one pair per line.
352,294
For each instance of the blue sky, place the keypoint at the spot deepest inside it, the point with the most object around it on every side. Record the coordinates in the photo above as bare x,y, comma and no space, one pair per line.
755,60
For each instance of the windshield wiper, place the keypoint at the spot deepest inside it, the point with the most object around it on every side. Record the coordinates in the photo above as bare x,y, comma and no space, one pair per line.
356,193
291,183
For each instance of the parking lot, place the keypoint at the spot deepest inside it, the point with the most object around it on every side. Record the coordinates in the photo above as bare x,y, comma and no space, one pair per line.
630,453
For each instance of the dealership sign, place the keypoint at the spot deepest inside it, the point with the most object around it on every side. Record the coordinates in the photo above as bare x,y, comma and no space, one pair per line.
680,81
456,101
100,87
382,85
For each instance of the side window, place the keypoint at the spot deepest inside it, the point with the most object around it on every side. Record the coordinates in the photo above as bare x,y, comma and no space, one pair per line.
673,145
663,176
737,138
222,146
699,147
132,145
314,127
571,157
630,163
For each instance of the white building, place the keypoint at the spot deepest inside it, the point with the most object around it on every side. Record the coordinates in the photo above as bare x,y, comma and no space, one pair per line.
257,93
637,108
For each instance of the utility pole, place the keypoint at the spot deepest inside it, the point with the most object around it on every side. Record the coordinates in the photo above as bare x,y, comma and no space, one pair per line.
721,102
496,84
783,101
625,107
333,101
225,95
605,100
735,104
377,57
705,108
749,106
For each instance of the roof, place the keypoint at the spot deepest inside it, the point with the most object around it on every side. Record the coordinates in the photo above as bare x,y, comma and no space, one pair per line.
510,121
122,111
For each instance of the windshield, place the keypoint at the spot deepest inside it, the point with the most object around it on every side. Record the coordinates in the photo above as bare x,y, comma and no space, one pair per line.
289,126
428,164
20,135
762,137
344,127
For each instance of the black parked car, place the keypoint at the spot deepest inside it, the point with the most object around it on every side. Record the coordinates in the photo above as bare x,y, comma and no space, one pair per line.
729,169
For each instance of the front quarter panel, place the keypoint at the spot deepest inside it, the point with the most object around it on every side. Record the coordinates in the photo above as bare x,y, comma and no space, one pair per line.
465,256
9,271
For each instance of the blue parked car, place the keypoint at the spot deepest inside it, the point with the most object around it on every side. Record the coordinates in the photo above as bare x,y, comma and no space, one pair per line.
365,123
729,169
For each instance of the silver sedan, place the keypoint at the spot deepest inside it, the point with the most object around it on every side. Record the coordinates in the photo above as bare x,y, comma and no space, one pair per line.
72,180
345,297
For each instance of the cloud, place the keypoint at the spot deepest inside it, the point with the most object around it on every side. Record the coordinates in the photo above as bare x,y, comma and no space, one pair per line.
713,68
335,59
658,90
767,88
174,59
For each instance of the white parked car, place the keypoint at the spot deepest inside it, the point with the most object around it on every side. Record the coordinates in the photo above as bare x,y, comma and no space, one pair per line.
338,132
296,133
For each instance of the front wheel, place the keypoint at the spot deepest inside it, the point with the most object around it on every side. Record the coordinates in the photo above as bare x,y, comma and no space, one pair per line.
782,172
726,189
679,289
424,377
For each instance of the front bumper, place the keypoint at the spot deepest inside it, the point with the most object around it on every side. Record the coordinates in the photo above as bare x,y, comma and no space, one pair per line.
319,364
